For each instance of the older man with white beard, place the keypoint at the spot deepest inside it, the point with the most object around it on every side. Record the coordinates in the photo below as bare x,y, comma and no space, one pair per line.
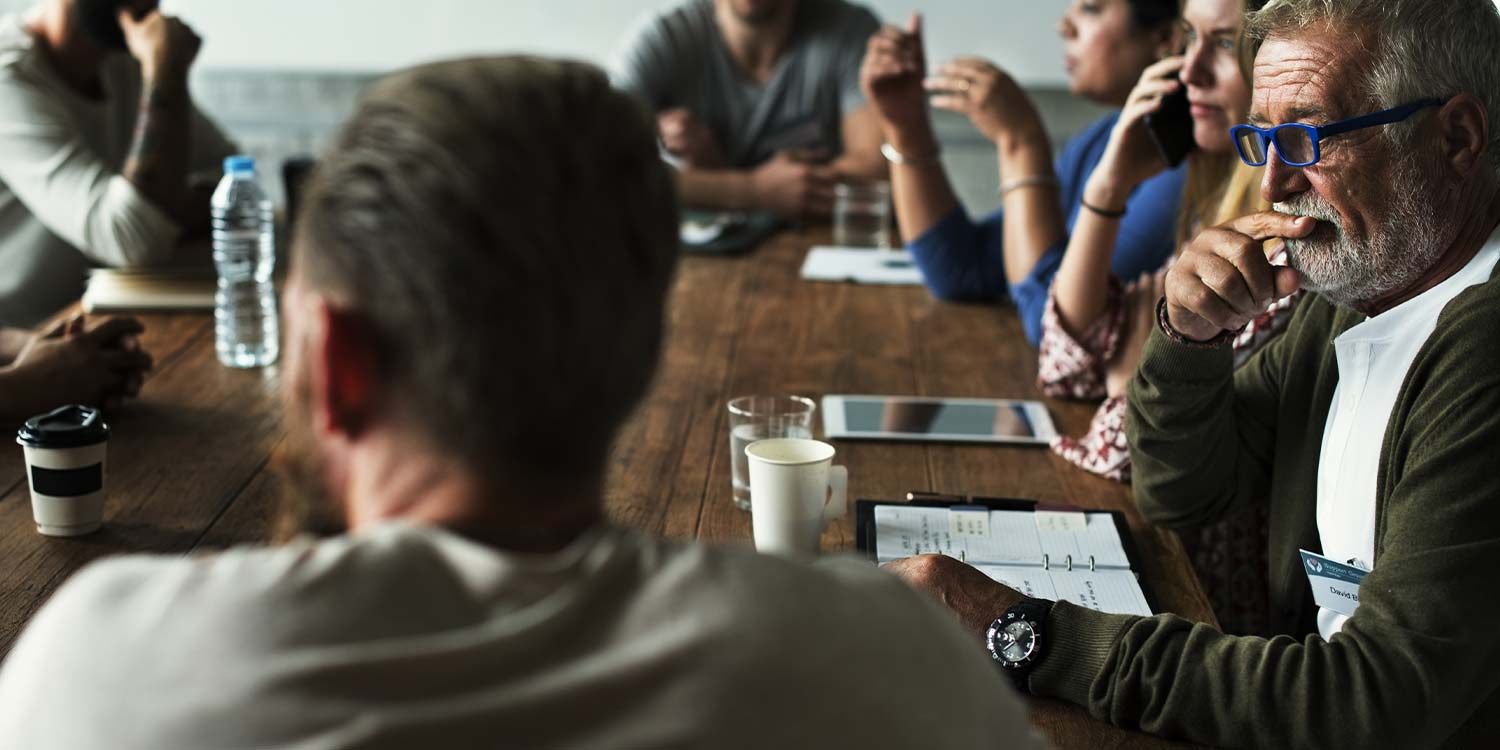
1369,426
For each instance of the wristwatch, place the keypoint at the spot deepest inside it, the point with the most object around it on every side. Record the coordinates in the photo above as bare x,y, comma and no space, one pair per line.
1015,640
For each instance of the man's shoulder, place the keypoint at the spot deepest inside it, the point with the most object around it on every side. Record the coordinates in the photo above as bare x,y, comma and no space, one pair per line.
115,593
691,21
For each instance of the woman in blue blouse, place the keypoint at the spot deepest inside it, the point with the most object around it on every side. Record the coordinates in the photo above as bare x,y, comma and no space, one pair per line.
1016,250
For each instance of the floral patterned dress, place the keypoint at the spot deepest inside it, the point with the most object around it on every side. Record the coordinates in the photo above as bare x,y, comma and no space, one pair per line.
1230,555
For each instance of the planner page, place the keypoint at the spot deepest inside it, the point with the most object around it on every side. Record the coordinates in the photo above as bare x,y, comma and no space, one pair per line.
996,537
1114,591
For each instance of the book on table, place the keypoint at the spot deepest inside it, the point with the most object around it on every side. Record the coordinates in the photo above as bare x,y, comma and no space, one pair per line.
1069,555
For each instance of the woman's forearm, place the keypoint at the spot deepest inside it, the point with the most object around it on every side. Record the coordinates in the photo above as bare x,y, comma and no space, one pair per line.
919,186
1033,210
1081,288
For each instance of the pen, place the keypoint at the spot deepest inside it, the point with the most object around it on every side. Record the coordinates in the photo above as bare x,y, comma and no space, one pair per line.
916,495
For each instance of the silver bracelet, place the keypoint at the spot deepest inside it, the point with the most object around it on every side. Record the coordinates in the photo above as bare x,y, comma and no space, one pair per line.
1046,181
896,157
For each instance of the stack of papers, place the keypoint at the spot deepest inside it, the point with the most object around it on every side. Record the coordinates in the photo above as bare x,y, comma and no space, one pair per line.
861,266
131,290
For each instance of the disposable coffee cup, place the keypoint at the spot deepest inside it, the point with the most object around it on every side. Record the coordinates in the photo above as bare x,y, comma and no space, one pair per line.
65,465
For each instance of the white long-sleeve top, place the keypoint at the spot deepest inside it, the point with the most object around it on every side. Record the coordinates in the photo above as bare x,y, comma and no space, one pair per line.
64,205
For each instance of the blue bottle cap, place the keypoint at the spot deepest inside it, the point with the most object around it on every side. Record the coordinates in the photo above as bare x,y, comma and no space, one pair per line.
239,164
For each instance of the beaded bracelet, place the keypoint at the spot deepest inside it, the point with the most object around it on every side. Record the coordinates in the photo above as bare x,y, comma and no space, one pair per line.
1162,322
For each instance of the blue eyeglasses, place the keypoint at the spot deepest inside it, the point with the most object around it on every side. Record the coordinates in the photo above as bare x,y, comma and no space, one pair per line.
1298,144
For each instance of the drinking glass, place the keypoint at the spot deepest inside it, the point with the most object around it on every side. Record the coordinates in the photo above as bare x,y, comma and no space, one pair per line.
862,214
753,418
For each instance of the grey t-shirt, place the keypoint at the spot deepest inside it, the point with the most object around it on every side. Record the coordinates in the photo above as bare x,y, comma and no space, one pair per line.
410,636
678,59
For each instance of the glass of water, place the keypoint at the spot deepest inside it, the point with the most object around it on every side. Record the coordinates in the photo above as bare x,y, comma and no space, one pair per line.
862,214
753,418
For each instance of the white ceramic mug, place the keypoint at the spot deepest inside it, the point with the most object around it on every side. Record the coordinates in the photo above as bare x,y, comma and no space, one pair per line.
795,490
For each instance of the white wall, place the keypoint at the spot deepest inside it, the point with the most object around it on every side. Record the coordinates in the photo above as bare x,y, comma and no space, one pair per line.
382,34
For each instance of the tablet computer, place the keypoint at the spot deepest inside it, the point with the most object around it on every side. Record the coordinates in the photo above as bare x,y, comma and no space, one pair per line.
947,420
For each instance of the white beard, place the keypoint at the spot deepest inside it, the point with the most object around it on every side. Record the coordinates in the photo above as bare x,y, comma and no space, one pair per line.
1406,246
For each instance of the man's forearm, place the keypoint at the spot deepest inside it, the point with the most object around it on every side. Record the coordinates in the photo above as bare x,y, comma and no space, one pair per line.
159,151
722,189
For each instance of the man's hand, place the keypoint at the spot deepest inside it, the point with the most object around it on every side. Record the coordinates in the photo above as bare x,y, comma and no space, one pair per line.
974,597
164,45
891,78
1223,279
793,188
686,137
75,363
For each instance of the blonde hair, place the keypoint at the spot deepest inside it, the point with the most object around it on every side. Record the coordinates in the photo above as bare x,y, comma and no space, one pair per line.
1219,187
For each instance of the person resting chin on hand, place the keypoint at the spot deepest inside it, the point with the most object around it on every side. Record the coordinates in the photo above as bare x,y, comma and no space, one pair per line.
76,362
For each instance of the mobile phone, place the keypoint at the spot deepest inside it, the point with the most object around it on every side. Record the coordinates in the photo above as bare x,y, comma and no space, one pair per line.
1171,127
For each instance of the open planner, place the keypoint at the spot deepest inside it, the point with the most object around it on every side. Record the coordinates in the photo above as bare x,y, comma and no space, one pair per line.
1073,556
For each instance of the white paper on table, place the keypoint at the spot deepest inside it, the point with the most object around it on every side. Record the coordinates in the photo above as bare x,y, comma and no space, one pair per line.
1013,539
861,266
1113,591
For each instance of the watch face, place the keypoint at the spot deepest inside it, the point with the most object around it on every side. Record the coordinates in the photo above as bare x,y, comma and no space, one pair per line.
1014,643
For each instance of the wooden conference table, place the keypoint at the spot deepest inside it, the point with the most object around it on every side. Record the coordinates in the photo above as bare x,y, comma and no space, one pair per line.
190,463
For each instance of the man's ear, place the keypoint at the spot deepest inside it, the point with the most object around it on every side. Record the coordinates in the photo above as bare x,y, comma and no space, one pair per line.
345,372
1465,135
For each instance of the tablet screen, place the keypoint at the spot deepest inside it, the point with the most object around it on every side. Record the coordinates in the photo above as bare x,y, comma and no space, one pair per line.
938,418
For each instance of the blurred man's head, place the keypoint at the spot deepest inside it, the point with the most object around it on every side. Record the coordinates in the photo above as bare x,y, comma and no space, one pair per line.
1389,200
100,19
481,265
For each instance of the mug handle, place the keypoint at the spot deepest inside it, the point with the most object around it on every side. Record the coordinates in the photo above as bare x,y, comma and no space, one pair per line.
838,492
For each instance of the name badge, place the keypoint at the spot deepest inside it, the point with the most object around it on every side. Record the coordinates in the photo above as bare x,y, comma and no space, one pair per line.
1335,585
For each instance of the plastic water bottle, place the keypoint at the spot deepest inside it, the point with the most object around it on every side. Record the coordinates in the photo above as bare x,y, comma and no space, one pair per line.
246,330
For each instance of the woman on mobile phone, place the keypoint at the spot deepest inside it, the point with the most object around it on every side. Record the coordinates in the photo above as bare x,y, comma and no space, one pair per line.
1095,323
1016,250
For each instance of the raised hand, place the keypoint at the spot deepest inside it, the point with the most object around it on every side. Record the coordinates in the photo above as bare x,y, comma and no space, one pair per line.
891,78
1223,279
985,94
163,44
1131,158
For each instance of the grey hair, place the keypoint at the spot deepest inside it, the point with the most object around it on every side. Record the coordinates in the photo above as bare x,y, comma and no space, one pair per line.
1419,49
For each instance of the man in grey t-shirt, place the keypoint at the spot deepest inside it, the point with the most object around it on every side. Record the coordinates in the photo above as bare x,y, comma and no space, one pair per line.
758,101
481,597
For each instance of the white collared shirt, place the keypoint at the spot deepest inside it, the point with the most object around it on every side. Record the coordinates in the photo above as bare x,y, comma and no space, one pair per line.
1373,359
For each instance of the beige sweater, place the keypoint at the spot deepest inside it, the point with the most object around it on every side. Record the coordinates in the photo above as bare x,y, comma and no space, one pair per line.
63,204
413,637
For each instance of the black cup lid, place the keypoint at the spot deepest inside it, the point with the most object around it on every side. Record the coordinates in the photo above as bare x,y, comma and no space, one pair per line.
67,427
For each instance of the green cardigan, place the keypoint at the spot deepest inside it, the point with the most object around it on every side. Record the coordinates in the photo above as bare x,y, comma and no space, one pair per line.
1418,665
